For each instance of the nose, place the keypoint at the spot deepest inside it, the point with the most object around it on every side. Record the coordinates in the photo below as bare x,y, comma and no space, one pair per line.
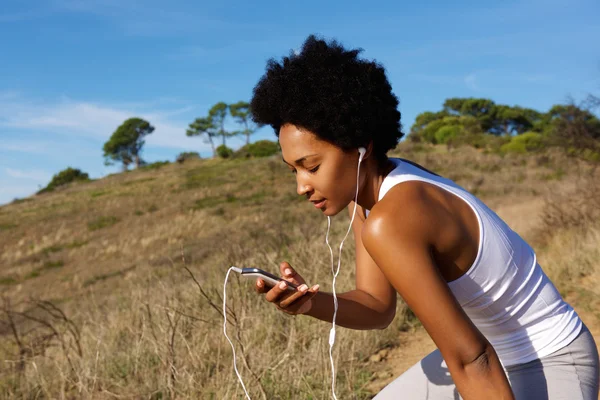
302,187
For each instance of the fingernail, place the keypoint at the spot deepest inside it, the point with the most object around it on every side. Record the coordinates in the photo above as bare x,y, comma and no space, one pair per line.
259,283
303,288
288,271
282,285
315,287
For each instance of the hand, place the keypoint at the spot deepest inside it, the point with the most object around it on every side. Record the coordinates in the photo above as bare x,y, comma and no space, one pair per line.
294,302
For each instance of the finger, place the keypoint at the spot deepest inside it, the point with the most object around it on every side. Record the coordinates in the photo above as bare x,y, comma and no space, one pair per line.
300,291
299,306
260,286
289,274
275,293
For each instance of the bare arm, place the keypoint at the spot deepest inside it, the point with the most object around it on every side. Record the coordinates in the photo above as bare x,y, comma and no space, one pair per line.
372,305
400,240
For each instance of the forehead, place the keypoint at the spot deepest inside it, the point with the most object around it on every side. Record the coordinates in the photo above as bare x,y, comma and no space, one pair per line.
296,142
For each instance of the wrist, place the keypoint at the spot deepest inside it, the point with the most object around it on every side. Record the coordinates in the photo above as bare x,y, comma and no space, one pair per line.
312,308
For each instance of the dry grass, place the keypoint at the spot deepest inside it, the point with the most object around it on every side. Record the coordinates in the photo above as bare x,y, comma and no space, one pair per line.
117,256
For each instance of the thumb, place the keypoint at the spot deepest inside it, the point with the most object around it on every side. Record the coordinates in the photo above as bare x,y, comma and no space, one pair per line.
290,273
286,270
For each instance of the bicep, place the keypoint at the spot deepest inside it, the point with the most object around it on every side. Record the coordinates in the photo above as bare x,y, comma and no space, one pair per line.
407,262
369,277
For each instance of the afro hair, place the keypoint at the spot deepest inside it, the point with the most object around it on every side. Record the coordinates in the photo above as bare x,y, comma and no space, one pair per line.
328,90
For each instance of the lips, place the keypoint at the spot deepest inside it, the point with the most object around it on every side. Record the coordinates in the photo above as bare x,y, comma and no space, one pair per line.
318,203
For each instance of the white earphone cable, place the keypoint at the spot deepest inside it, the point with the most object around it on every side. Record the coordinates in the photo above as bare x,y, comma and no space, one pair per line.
335,274
335,301
225,332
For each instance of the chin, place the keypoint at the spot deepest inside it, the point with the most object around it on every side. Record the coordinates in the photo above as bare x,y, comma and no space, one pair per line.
331,211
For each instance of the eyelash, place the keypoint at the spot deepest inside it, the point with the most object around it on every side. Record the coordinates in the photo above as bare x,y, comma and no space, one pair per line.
312,171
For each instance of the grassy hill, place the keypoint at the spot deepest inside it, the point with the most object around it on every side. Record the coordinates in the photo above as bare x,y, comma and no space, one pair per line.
113,288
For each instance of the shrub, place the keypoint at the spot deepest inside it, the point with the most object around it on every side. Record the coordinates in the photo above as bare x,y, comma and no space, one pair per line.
224,151
187,155
495,143
485,141
447,133
261,148
428,133
528,141
447,129
579,208
64,177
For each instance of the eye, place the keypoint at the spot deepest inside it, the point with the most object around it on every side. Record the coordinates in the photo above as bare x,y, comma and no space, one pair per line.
315,169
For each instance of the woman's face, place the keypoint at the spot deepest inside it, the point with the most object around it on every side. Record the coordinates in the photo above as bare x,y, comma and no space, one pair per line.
325,174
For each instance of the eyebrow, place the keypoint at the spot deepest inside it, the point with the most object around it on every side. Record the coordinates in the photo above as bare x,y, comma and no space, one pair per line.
300,160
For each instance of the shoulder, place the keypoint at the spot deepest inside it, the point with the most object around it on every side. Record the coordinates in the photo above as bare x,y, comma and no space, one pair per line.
411,211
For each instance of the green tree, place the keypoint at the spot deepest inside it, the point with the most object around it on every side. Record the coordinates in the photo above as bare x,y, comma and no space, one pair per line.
217,115
453,105
513,120
204,127
125,144
425,118
574,127
482,109
240,112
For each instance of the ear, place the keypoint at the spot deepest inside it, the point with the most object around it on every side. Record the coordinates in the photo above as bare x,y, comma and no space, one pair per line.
361,153
369,150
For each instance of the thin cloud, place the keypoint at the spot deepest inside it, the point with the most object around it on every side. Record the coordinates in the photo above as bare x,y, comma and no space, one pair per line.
21,146
79,119
33,174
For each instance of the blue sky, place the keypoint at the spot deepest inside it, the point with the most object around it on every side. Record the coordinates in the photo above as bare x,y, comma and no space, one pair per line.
72,70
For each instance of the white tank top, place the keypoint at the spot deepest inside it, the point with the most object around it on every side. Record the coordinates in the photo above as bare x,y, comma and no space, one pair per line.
505,292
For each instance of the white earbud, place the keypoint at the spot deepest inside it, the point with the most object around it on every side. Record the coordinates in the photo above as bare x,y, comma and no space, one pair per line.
362,152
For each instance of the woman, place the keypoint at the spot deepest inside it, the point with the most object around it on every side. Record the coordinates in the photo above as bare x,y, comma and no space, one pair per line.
501,328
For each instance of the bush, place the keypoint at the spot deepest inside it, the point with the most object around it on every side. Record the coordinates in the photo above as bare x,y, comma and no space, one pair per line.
526,142
224,151
428,133
447,133
485,141
187,155
447,129
64,177
573,209
261,148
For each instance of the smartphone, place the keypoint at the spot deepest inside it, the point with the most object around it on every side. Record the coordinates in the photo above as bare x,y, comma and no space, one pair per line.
270,279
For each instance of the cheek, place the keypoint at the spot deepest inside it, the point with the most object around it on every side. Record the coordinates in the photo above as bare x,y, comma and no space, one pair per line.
337,187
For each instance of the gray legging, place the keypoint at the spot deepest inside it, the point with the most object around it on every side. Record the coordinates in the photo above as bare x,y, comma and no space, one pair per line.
571,373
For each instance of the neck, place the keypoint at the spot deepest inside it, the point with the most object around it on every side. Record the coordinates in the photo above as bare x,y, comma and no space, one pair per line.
372,175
